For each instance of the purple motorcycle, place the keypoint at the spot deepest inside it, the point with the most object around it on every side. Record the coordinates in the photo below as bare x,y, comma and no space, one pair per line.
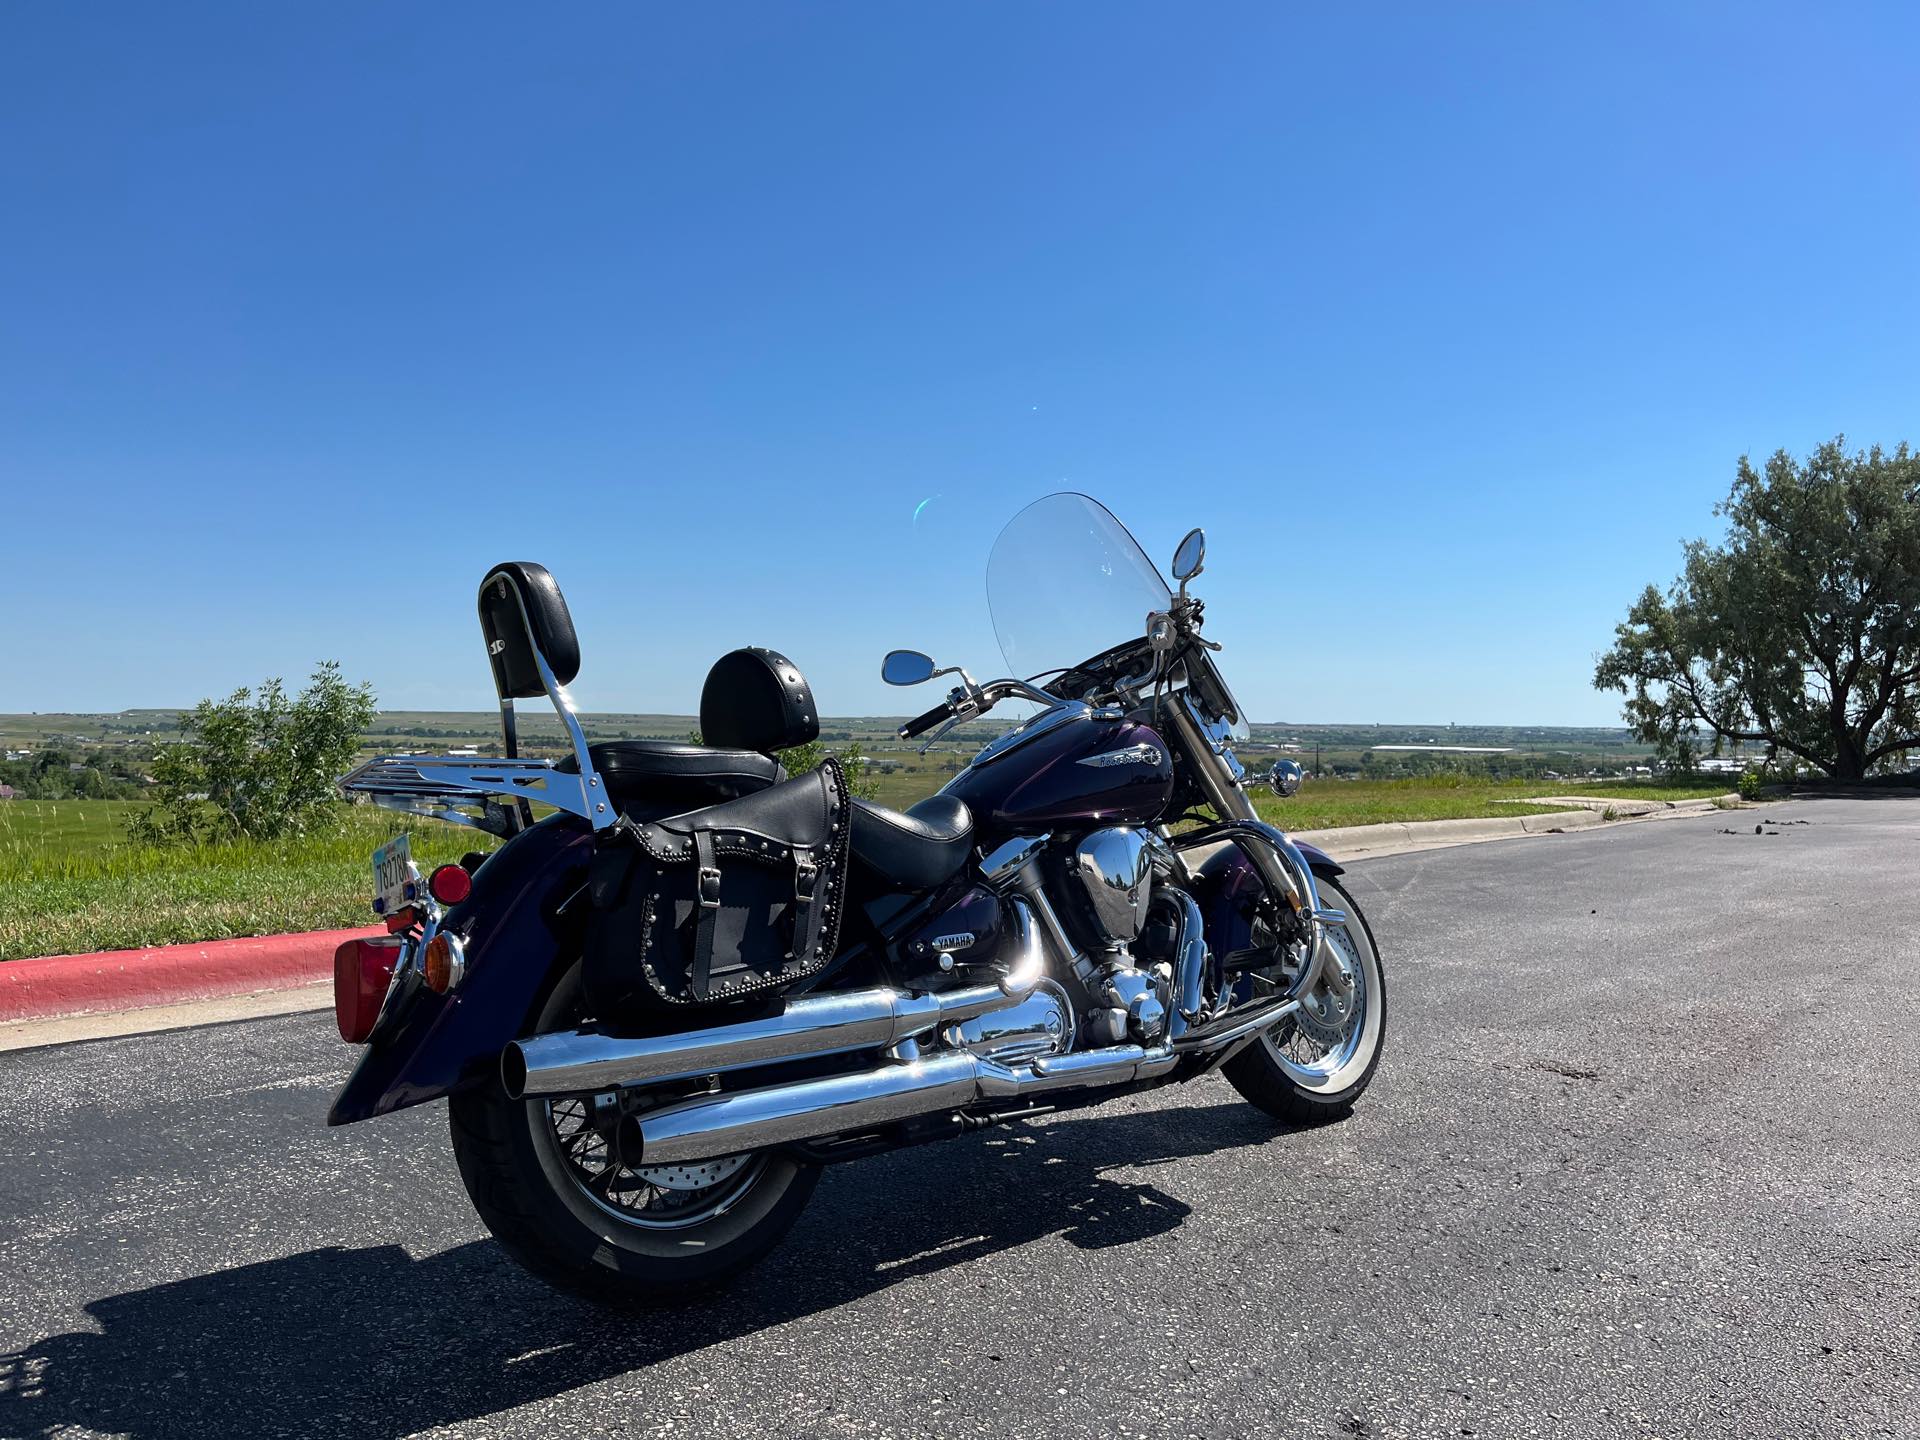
659,1009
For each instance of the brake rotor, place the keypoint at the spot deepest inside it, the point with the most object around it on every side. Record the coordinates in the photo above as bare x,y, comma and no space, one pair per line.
701,1176
1327,1009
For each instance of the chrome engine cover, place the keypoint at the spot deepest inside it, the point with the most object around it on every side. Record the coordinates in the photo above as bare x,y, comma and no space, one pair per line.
1115,866
1042,1024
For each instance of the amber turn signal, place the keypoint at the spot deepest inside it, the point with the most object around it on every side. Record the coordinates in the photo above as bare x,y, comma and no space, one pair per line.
444,963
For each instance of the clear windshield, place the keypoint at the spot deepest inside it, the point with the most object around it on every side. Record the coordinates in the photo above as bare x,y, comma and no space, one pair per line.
1065,582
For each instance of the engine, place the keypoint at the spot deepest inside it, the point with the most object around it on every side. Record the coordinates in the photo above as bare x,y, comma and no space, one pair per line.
1042,1024
1114,868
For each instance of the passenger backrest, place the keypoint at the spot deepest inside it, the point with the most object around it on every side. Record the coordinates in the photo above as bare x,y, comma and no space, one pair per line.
757,699
521,608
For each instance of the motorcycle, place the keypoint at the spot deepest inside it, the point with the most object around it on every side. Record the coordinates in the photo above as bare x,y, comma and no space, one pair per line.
640,1107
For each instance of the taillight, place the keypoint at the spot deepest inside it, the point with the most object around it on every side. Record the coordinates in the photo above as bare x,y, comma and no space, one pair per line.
450,884
362,969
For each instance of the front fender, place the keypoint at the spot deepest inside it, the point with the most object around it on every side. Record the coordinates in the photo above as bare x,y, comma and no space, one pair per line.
1228,884
514,944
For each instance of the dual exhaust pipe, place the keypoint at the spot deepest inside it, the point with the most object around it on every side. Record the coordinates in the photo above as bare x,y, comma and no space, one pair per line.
728,1123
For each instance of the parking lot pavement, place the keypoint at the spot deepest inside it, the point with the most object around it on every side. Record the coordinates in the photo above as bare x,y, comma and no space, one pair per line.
1640,1160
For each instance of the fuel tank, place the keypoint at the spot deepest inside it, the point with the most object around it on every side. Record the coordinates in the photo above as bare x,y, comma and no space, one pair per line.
1067,767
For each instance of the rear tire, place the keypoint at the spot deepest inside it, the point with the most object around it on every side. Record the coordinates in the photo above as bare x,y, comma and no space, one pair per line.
1276,1079
531,1196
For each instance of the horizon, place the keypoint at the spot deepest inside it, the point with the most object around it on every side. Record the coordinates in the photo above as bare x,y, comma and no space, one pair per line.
533,713
1449,327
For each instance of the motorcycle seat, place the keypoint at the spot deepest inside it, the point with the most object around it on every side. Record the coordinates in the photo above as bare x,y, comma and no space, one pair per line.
665,776
917,848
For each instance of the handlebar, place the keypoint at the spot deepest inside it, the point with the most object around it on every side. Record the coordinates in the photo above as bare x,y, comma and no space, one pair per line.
972,702
920,724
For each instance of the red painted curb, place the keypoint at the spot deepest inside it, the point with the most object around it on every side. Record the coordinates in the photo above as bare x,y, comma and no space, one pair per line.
110,980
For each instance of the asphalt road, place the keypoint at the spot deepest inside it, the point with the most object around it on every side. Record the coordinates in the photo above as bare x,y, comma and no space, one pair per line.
1640,1161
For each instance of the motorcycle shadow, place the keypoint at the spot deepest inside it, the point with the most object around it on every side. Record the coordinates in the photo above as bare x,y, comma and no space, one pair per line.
374,1343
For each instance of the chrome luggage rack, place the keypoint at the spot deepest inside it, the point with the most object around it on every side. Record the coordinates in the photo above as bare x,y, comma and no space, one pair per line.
435,786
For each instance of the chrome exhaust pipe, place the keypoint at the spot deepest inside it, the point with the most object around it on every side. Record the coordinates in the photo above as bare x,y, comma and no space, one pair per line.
710,1126
571,1061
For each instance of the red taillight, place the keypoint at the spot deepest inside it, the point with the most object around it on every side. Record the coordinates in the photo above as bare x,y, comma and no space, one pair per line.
450,884
361,972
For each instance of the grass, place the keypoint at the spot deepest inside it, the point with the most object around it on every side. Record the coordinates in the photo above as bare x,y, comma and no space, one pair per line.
1327,804
37,831
68,883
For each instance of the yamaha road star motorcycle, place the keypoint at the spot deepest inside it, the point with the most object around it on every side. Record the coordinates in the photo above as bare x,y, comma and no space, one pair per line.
660,1009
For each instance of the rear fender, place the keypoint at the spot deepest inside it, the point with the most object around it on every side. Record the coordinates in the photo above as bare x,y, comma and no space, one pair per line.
515,944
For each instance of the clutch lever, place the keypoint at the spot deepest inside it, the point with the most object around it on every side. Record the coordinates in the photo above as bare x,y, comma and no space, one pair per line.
939,734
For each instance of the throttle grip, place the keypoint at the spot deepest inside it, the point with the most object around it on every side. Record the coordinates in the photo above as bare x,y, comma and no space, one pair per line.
920,724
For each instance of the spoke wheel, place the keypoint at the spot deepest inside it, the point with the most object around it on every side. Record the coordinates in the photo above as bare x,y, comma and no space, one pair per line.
655,1197
1320,1043
563,1186
1313,1064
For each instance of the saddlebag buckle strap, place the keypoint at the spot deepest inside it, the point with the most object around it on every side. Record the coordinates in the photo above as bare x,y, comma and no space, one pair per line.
707,892
807,912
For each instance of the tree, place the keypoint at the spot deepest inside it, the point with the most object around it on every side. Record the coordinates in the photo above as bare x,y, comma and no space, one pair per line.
257,764
1800,631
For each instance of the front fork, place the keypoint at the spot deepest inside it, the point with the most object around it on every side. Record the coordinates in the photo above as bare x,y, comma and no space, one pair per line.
1277,858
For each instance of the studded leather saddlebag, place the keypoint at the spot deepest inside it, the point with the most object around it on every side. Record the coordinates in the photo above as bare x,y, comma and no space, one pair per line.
719,904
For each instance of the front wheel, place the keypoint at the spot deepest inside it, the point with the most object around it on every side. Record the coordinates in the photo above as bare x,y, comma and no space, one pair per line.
1313,1064
550,1180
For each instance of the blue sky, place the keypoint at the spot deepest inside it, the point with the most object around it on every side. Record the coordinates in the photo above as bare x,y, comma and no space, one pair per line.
1448,323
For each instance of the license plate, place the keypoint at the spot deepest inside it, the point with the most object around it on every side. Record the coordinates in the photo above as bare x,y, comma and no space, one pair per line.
395,882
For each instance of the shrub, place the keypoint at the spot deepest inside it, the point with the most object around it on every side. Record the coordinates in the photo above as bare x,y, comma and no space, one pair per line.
257,765
1750,781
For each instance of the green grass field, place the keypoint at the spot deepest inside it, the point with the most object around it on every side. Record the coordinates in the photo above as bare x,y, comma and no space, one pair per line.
1327,804
69,882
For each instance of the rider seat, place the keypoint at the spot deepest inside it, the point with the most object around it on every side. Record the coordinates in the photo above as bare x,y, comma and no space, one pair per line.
652,774
915,849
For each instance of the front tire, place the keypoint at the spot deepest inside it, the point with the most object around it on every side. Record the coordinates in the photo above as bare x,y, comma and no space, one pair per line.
1310,1070
557,1196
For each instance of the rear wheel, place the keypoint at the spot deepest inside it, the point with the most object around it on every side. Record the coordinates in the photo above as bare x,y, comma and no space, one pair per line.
1312,1065
561,1184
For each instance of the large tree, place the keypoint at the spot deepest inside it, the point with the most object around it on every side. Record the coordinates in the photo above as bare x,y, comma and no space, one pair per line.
1800,630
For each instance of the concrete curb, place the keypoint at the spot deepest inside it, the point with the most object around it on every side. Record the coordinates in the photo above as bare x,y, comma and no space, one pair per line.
1359,842
115,980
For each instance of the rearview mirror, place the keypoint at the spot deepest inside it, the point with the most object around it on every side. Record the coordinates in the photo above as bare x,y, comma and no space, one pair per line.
906,667
1188,558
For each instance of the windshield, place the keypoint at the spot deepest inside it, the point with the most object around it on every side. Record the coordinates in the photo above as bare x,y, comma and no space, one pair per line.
1066,581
